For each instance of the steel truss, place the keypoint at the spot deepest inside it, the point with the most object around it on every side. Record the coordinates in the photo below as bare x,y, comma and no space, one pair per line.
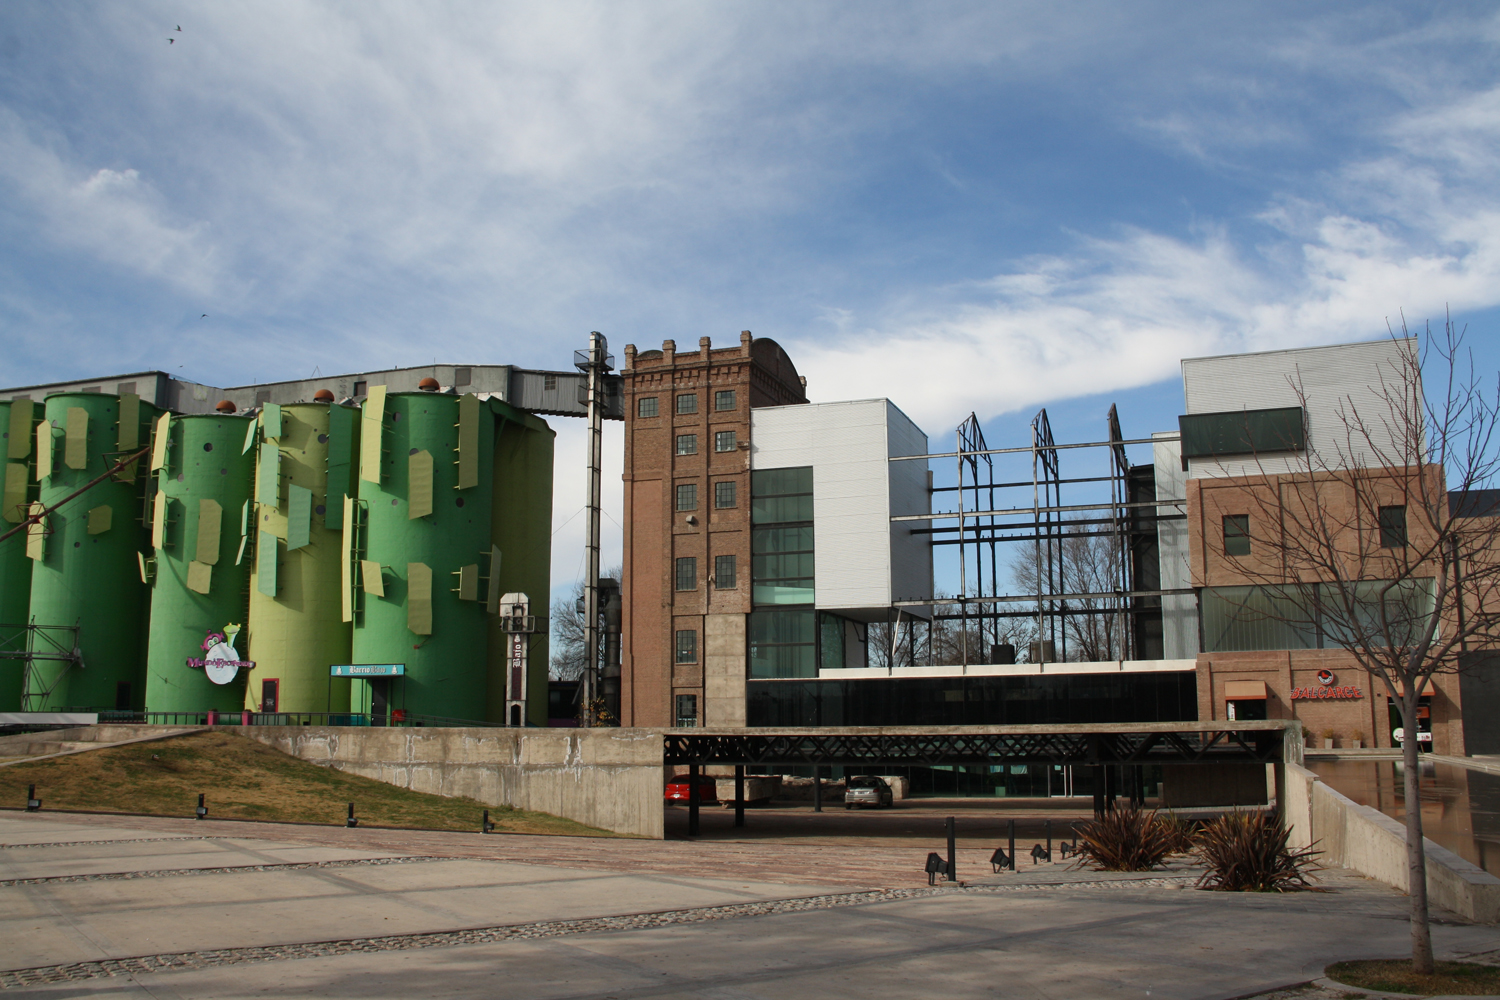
1203,746
31,643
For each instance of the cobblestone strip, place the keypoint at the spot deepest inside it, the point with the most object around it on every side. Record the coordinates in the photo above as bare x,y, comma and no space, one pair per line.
223,870
192,960
96,843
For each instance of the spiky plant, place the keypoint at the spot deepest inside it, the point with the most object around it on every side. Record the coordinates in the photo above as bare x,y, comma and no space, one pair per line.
1183,833
1124,839
1248,852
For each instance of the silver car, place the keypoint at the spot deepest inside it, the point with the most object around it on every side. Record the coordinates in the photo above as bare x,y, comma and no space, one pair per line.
867,790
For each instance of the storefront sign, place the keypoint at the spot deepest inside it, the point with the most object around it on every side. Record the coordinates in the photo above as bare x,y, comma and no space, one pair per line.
367,670
221,663
1326,693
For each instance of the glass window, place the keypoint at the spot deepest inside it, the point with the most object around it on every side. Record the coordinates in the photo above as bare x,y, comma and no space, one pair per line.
687,573
1242,432
724,496
646,407
687,403
687,711
687,496
1248,618
783,643
687,646
781,565
1237,535
724,400
687,444
1393,527
781,495
724,572
724,441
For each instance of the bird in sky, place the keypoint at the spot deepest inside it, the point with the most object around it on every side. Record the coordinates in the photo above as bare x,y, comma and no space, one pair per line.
179,27
171,41
204,316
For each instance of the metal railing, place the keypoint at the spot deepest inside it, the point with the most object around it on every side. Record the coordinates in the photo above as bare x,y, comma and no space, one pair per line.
396,718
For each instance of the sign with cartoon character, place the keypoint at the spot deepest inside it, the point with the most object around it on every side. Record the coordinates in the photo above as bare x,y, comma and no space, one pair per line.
221,662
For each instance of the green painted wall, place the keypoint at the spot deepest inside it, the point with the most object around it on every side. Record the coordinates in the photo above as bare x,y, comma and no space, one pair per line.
521,526
15,571
206,462
298,633
93,580
445,670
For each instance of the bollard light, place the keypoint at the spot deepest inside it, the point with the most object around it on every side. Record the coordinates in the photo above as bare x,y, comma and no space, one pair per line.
486,826
1000,860
935,866
32,802
202,809
351,821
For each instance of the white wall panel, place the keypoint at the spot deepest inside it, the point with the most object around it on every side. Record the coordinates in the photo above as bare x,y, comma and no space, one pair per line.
1179,614
847,445
1332,378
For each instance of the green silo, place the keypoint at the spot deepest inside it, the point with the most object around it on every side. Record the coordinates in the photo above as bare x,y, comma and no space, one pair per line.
297,625
521,527
85,567
425,488
202,577
15,569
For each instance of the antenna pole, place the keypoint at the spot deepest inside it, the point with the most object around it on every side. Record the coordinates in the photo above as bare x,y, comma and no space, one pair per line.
597,365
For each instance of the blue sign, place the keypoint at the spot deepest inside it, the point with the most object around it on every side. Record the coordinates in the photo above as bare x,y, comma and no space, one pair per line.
367,670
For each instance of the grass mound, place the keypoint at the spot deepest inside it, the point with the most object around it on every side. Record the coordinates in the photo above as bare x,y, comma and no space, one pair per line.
245,779
1395,976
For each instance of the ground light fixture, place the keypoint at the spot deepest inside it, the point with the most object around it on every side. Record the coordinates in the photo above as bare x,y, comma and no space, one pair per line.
1067,849
935,866
351,821
32,802
1040,853
1000,861
486,826
202,810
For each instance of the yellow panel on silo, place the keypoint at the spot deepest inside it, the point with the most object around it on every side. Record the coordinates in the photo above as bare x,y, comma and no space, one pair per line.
370,578
419,485
210,523
468,441
159,521
468,582
346,570
159,439
101,519
43,450
199,577
15,490
36,534
18,445
419,598
372,427
76,448
130,422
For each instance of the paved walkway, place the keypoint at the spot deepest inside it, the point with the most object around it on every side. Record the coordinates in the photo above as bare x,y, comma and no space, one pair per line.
133,907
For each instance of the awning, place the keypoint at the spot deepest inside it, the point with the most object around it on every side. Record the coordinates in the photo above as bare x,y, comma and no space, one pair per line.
1244,690
1428,690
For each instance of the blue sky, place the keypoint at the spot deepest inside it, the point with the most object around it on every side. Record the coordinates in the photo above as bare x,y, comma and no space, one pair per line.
989,207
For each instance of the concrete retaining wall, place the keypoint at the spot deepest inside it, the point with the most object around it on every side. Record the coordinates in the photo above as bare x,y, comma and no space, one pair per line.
1374,844
606,778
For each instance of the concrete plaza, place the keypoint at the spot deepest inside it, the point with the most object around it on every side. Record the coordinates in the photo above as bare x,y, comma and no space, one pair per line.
149,907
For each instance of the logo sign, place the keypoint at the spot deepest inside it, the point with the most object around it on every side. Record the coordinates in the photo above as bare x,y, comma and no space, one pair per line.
367,670
1325,677
221,663
1326,693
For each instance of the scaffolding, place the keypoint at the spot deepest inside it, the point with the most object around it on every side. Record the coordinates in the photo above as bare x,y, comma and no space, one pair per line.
1118,597
31,643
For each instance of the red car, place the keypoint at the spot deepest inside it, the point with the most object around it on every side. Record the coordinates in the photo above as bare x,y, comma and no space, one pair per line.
680,787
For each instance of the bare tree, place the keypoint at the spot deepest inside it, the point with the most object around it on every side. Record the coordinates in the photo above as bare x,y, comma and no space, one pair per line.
1372,541
568,632
943,641
1089,563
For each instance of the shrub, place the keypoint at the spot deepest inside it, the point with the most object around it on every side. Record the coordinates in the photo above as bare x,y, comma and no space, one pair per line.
1124,839
1182,833
1248,852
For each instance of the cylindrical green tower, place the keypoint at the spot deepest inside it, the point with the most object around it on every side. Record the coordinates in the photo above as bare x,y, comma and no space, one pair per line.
297,626
427,544
15,568
85,565
202,577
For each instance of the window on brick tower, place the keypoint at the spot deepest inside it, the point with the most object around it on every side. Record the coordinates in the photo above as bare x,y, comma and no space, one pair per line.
724,496
724,400
725,572
687,646
687,573
687,496
724,441
1393,527
687,711
687,444
1237,535
646,407
687,403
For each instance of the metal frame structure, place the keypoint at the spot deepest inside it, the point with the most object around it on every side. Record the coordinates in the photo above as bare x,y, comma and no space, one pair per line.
1188,743
982,525
40,642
